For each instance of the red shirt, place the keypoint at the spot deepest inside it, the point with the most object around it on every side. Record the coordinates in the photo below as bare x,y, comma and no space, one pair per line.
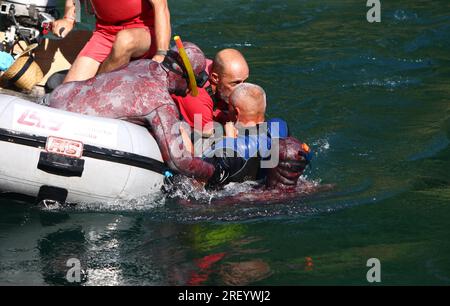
202,104
121,11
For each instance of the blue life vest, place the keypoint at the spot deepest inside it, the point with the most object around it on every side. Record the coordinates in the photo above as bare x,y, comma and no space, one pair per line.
252,145
239,159
278,128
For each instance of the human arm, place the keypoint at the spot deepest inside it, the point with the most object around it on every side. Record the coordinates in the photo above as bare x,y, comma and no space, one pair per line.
230,130
162,27
187,140
62,27
165,128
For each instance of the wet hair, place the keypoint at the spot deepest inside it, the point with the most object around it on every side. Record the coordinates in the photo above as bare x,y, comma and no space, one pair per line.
251,100
247,91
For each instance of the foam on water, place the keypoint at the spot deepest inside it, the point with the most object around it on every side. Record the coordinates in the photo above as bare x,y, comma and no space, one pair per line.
321,145
390,83
143,203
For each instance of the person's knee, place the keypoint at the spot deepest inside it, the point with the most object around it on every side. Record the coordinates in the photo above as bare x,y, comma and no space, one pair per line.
82,69
124,44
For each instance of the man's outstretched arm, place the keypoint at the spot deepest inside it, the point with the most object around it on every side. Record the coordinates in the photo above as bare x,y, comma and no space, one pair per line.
163,30
166,130
63,26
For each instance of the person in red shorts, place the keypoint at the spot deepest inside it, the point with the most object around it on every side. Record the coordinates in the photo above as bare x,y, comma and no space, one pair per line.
228,70
125,30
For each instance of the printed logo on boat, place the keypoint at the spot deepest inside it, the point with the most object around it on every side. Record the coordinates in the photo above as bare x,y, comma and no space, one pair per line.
32,118
48,122
66,147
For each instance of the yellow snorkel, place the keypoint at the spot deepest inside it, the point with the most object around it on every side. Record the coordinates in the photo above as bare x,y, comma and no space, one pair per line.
187,65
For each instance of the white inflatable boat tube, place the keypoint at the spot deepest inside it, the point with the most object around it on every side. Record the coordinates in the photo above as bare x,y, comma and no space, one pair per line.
52,154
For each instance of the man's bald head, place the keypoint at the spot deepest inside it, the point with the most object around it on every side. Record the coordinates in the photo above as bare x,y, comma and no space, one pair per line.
249,100
229,69
229,59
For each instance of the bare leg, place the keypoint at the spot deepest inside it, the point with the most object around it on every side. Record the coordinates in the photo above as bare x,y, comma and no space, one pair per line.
82,69
129,43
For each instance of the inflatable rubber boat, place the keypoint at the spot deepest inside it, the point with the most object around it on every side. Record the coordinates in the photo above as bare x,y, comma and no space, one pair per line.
56,155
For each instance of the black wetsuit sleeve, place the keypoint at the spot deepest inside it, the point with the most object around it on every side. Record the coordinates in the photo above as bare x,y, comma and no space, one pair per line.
225,169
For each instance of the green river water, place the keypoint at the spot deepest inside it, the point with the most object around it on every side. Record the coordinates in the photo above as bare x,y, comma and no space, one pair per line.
372,101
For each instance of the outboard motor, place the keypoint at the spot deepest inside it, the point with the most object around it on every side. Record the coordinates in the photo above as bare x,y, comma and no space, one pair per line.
26,20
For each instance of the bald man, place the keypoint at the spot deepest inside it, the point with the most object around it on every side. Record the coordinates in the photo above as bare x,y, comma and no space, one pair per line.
228,70
237,157
254,150
247,104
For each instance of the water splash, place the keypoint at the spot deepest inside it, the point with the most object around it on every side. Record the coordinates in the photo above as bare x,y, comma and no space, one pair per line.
240,201
320,145
186,200
402,15
144,203
188,189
